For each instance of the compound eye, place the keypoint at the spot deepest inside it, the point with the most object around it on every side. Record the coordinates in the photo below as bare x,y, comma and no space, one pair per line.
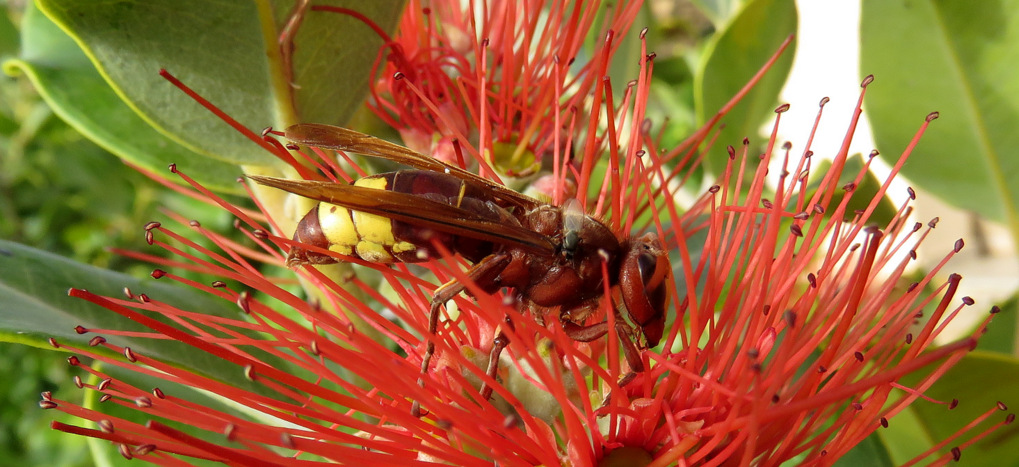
646,264
653,267
644,285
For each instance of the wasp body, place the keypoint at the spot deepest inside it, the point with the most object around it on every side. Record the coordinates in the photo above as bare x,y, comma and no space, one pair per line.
380,239
550,256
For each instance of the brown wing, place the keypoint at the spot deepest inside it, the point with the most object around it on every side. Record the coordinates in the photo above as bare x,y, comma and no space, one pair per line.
414,210
334,137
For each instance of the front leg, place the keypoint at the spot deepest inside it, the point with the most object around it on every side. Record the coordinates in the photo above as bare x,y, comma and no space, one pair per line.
628,340
595,331
483,273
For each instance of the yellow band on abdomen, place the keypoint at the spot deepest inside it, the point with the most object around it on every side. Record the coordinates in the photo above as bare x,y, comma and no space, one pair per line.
369,236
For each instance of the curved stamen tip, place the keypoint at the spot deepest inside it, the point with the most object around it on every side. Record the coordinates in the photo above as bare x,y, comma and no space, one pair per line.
866,81
782,108
824,100
932,116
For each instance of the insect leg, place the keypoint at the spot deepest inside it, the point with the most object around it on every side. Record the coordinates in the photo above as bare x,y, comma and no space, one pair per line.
594,331
630,351
569,317
483,273
498,344
585,333
632,354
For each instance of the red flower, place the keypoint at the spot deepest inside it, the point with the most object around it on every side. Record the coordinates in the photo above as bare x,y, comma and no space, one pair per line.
788,332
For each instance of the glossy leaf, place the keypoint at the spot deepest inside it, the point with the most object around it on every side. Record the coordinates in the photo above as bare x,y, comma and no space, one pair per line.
333,56
962,60
870,452
1001,334
862,194
718,11
978,381
74,89
732,58
905,437
33,289
227,52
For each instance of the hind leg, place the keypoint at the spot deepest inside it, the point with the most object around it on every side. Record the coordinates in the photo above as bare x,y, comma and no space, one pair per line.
482,273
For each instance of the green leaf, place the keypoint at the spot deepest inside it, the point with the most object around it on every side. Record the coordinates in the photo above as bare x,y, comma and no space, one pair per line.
333,56
33,290
1001,333
905,436
8,35
75,91
871,452
978,381
732,58
861,195
962,60
228,53
718,11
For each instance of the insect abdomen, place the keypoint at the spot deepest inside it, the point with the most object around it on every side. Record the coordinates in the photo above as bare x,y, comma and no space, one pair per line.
352,233
376,238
